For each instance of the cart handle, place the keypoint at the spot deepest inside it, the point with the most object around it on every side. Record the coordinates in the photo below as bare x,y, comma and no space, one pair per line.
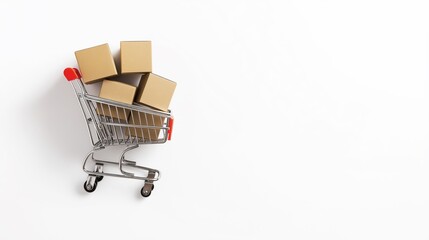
72,74
170,127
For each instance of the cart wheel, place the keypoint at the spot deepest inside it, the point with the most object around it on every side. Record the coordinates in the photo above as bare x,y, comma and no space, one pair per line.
146,193
90,189
99,178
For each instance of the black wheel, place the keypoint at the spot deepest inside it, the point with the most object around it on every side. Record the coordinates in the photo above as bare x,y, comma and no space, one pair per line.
99,178
145,194
90,190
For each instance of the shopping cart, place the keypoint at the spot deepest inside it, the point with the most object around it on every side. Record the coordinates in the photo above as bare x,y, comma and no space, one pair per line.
108,127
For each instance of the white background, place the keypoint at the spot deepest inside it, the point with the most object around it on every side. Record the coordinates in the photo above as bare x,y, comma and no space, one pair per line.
294,120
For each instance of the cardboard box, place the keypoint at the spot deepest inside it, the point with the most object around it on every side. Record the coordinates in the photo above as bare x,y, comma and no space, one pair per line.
155,91
145,119
136,57
116,91
96,63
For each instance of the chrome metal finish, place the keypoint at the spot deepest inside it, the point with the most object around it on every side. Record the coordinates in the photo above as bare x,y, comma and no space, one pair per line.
90,182
106,131
148,185
122,163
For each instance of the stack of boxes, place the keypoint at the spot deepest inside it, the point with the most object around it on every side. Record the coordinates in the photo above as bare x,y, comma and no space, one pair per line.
97,64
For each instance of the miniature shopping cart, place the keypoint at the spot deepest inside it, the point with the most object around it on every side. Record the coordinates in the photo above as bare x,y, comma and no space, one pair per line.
142,125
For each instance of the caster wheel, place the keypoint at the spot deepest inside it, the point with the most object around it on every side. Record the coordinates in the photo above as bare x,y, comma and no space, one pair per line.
146,193
99,178
88,188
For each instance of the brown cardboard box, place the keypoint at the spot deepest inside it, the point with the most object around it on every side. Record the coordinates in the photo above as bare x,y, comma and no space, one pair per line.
155,91
136,57
146,119
96,63
116,91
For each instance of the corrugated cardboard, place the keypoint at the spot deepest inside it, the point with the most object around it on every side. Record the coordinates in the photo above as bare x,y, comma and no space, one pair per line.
145,119
155,91
116,91
96,63
136,56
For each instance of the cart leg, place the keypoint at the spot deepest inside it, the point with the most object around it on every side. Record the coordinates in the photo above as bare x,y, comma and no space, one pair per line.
122,160
99,168
92,180
148,185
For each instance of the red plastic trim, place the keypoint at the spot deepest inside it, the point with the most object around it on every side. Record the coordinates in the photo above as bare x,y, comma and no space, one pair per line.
170,127
71,74
77,72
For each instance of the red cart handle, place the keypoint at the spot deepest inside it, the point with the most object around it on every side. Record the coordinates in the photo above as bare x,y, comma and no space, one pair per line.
71,74
170,127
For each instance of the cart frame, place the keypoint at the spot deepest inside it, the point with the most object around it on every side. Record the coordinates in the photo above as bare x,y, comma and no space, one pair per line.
112,123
